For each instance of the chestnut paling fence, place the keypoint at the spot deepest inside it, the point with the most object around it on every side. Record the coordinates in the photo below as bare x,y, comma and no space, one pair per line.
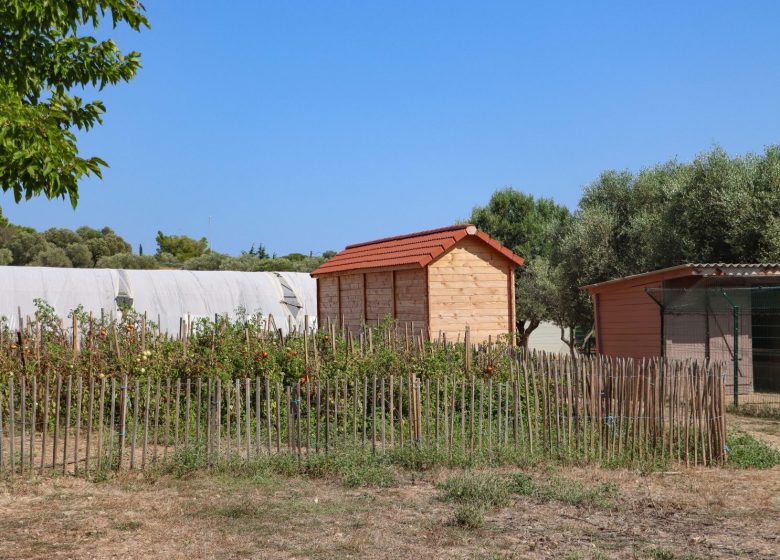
592,410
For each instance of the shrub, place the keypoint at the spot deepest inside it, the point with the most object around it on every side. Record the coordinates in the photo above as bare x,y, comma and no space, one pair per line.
746,452
486,490
471,516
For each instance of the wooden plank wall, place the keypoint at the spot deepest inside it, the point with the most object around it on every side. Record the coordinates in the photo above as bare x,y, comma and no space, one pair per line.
411,302
629,326
352,300
629,322
470,285
327,300
379,295
344,296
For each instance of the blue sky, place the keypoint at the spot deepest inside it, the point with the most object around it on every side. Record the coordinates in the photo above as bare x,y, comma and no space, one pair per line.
310,125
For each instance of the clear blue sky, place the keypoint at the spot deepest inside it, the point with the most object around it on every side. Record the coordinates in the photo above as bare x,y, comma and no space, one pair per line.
310,125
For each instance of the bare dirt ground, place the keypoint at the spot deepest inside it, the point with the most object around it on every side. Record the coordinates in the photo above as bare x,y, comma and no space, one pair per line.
694,513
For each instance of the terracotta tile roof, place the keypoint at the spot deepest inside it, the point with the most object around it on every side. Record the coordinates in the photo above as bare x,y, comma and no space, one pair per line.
417,249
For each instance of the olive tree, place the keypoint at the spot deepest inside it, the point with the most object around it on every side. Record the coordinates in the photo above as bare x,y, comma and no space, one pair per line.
529,227
47,56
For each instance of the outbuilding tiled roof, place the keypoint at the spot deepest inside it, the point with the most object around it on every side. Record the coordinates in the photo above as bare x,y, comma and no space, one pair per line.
694,269
416,249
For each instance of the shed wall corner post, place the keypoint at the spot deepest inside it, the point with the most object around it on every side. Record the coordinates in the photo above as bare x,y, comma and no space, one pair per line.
338,291
365,301
512,305
319,302
596,323
393,295
428,305
661,313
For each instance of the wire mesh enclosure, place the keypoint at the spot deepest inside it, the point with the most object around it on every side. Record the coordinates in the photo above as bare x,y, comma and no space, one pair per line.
738,327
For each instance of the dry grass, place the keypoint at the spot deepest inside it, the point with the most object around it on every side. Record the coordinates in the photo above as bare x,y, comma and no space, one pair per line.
696,513
767,430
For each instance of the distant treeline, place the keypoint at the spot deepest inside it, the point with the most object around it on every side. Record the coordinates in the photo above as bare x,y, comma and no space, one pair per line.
87,247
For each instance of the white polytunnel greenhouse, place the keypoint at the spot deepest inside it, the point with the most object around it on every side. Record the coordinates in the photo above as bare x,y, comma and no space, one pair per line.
170,295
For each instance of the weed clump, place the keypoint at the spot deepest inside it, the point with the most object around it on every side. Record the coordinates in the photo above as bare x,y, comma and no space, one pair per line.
470,515
489,490
477,494
746,452
566,491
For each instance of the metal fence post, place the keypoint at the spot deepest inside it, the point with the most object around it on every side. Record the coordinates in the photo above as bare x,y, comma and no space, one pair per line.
735,345
736,356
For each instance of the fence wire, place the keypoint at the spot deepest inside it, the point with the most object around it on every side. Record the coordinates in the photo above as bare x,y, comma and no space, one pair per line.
597,410
737,326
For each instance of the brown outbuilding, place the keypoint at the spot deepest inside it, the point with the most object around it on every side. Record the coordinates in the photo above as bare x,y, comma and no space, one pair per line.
440,281
726,313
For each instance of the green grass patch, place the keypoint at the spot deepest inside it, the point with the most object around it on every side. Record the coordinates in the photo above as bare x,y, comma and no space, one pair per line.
471,516
661,554
353,467
566,491
489,490
747,452
476,494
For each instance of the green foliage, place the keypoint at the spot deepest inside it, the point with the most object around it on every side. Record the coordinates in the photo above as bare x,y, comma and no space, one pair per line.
361,469
106,245
185,461
87,247
525,225
713,209
530,227
661,554
236,349
475,495
536,296
25,246
51,256
487,489
479,493
209,261
469,515
128,261
571,492
45,57
354,468
79,254
86,233
181,246
259,252
746,452
61,237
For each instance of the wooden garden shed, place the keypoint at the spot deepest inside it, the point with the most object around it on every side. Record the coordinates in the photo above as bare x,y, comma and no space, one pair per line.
441,280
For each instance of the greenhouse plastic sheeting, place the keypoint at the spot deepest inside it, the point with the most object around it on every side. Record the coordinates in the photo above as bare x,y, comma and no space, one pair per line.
169,294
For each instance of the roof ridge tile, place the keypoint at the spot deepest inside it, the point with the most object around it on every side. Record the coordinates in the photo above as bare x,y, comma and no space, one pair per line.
420,248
